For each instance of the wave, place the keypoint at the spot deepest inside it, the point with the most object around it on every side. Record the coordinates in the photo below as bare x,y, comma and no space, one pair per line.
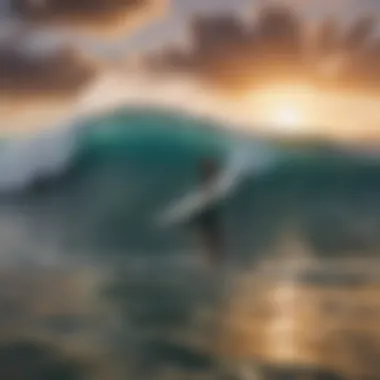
100,185
91,193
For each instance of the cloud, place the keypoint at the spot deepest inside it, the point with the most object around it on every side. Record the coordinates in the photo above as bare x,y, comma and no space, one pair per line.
229,54
46,82
44,69
279,31
112,17
60,74
359,33
40,85
327,38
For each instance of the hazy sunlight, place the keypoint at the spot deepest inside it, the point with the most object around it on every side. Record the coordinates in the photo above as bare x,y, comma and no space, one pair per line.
285,109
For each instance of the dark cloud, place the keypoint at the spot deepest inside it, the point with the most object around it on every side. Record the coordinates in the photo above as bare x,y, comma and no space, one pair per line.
279,45
229,54
37,89
328,37
41,73
279,31
92,15
359,34
59,74
213,34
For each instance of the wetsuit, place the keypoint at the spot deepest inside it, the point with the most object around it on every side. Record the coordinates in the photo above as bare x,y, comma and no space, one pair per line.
208,221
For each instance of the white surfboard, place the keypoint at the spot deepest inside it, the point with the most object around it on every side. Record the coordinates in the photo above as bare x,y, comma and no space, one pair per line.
189,206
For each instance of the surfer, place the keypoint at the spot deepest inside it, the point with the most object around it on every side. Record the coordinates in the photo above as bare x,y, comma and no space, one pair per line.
201,208
208,222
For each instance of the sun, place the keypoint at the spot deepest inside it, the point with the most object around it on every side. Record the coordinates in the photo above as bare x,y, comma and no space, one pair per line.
283,109
286,117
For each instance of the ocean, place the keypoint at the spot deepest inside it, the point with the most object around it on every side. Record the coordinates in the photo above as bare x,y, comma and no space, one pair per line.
122,169
90,197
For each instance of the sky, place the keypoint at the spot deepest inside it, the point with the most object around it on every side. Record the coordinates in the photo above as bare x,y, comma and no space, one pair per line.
173,26
63,58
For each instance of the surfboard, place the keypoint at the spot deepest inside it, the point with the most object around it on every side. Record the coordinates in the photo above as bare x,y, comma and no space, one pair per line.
185,209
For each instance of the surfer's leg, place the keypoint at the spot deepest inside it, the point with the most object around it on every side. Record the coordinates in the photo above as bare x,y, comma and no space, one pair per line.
211,239
213,248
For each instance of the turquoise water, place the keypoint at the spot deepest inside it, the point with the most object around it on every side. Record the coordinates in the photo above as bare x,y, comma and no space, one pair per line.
126,167
129,165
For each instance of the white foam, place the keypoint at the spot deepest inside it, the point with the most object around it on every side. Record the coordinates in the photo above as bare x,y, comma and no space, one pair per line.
24,159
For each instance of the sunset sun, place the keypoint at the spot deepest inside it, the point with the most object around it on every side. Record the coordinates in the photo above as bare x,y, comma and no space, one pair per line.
286,117
283,109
